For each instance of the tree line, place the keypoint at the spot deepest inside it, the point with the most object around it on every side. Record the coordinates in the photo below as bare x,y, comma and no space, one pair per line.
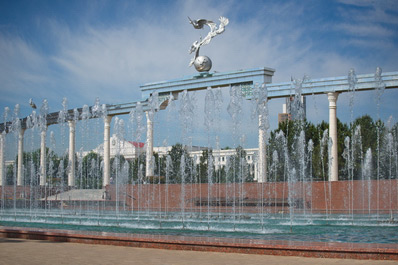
353,142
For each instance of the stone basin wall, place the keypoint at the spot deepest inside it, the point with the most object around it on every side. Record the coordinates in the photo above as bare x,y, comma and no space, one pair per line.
359,197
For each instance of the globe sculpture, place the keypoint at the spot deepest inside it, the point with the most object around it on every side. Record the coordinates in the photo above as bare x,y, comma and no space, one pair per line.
202,64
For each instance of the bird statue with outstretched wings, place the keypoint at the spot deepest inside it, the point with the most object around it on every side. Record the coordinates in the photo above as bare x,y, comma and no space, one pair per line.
198,24
214,31
32,104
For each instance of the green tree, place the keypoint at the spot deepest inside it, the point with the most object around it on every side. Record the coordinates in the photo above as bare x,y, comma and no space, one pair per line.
91,175
137,169
285,149
203,167
239,170
10,175
367,135
159,170
176,153
31,165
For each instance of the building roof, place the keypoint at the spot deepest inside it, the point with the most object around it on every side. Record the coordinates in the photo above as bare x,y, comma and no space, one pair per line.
137,144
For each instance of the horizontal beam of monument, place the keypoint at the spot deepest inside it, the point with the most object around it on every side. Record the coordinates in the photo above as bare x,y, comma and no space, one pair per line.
333,84
164,88
244,78
205,80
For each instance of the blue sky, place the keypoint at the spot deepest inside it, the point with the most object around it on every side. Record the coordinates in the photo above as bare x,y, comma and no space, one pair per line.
87,49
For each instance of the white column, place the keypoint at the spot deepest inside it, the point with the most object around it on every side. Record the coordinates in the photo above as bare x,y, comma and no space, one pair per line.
107,150
149,146
334,169
20,158
43,171
72,148
2,167
262,154
256,170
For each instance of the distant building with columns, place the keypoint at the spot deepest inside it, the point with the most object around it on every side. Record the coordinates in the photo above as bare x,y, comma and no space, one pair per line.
128,149
131,150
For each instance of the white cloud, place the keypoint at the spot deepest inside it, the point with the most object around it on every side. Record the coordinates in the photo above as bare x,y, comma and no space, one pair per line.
366,30
378,4
22,67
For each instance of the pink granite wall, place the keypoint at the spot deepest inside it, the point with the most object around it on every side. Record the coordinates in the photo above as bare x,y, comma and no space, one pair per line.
337,197
333,197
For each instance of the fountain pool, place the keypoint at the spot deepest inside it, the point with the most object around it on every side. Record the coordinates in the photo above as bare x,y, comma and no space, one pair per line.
334,228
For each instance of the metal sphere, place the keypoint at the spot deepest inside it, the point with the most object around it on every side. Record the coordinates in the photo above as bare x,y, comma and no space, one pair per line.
202,64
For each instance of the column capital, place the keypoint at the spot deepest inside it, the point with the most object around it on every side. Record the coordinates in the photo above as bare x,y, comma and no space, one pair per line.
332,97
21,131
149,117
108,119
107,122
43,129
72,126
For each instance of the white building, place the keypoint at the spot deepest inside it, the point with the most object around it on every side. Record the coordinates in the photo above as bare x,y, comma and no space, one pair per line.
128,149
221,157
131,150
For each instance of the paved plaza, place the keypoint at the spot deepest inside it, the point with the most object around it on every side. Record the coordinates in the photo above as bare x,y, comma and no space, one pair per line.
21,251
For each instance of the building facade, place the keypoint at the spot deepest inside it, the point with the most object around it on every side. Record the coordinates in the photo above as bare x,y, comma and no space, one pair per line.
131,150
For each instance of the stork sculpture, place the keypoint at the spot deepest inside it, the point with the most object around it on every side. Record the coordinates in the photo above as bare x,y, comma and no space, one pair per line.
203,63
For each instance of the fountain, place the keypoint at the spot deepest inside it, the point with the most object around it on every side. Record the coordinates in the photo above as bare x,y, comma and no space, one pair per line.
185,195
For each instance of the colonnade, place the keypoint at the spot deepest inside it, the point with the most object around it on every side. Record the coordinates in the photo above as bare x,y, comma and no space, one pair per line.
262,156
